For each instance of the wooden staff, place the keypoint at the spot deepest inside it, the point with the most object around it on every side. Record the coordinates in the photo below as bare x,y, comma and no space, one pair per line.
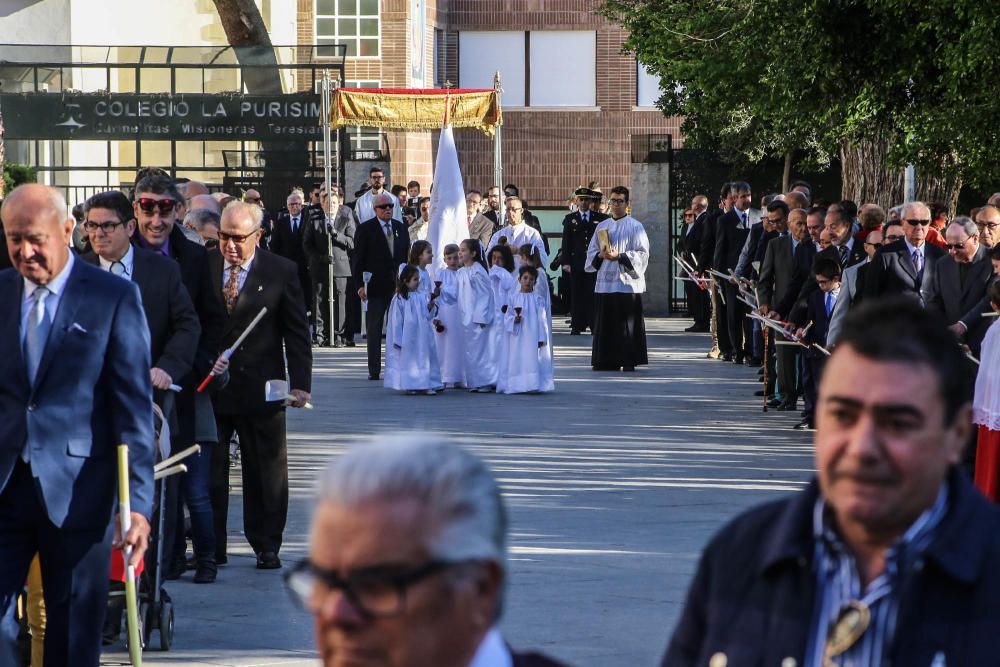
131,598
764,334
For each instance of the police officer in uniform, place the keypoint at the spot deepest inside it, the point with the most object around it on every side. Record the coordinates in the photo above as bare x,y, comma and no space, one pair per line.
578,229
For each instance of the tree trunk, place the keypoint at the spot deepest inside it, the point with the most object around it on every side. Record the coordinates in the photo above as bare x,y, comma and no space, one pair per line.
786,175
866,177
247,34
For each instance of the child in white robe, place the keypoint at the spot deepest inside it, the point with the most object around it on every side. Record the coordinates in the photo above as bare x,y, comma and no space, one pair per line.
527,357
502,280
529,256
411,363
448,324
421,255
475,302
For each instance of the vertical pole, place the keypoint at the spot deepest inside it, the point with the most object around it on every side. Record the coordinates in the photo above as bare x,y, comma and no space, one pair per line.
328,213
909,184
498,156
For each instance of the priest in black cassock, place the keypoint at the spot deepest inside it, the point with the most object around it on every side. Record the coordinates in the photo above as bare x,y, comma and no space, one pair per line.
619,330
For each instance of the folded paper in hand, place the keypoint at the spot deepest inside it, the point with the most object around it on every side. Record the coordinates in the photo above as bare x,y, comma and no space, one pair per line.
604,239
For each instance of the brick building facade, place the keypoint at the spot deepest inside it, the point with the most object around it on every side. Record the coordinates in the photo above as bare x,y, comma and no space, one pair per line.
568,115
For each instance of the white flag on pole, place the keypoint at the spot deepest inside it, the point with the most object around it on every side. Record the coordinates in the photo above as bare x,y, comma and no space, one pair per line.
448,213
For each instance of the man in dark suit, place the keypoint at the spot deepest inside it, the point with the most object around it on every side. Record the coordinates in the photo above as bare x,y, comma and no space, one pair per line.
327,245
731,235
776,274
74,383
578,229
494,205
380,246
286,241
889,505
444,594
906,267
480,226
815,316
699,306
156,207
962,279
721,346
247,279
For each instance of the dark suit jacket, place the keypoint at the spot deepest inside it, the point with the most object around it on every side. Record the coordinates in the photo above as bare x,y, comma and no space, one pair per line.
533,660
576,239
173,323
531,220
776,271
892,272
480,228
729,240
804,282
4,255
284,332
691,240
316,243
288,244
707,253
92,392
950,300
815,312
371,253
754,591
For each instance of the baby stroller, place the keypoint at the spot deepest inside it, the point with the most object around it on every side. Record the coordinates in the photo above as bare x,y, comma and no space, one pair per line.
156,609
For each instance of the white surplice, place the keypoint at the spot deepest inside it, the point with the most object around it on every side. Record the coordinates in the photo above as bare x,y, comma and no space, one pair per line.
524,366
475,302
986,404
414,365
628,238
502,281
517,236
450,342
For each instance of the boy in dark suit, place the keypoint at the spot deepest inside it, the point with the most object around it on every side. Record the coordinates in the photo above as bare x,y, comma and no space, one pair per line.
818,311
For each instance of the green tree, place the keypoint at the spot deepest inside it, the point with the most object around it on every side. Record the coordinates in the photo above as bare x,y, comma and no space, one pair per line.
878,83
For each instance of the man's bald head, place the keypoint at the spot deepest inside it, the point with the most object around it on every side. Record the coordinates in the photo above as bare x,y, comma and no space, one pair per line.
39,231
204,201
194,188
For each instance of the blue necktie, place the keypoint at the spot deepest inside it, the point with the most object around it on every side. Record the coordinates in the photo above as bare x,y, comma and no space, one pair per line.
34,341
829,303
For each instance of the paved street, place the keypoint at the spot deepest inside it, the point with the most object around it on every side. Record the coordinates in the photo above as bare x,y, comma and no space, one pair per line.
615,483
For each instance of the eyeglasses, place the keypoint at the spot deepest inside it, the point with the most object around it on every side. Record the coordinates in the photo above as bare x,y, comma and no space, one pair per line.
379,592
891,238
106,227
148,205
843,633
988,225
922,223
294,203
381,206
956,246
235,238
616,200
514,210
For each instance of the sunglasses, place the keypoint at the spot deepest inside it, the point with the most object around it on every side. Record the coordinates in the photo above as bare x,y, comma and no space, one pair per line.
381,206
956,246
891,238
148,205
235,238
922,223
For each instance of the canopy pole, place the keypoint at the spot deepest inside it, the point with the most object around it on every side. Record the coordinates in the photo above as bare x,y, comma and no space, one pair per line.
498,156
328,183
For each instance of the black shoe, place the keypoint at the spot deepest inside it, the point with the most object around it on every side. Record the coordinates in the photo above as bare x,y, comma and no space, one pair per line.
805,424
350,343
221,559
726,356
787,407
268,560
738,360
697,328
774,403
206,571
753,362
172,570
372,377
759,392
628,369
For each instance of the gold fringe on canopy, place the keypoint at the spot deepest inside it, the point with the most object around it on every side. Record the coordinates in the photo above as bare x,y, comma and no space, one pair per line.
416,109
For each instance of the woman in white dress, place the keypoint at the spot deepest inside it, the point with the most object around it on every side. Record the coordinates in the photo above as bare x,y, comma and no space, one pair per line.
475,302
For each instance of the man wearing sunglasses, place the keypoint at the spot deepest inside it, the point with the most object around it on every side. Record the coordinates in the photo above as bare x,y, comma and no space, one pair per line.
907,267
962,279
988,225
888,556
408,560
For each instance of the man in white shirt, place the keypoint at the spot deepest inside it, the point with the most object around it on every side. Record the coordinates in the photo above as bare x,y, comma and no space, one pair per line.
515,233
364,208
408,560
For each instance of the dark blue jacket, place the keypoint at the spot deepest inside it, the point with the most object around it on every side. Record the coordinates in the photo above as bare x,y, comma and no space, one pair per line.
753,595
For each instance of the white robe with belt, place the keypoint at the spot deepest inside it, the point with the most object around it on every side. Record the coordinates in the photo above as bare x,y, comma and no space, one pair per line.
526,367
413,366
450,342
475,301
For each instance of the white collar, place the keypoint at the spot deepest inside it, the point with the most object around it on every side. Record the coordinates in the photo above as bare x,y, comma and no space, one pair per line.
127,260
56,285
245,265
492,652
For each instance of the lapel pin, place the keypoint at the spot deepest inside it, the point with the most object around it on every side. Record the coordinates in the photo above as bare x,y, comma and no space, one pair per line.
260,288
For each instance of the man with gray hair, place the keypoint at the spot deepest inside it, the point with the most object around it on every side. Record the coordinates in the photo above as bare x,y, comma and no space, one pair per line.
906,267
408,559
381,244
962,278
247,279
204,223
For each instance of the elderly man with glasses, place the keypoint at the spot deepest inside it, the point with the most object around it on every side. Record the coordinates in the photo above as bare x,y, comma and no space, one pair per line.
887,557
408,560
907,267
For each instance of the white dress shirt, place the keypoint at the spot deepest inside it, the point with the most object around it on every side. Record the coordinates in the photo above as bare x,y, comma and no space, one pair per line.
492,652
128,261
56,287
244,271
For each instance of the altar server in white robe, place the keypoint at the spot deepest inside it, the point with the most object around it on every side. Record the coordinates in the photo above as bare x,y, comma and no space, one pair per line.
502,280
411,363
449,335
516,233
527,357
619,330
531,257
475,301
